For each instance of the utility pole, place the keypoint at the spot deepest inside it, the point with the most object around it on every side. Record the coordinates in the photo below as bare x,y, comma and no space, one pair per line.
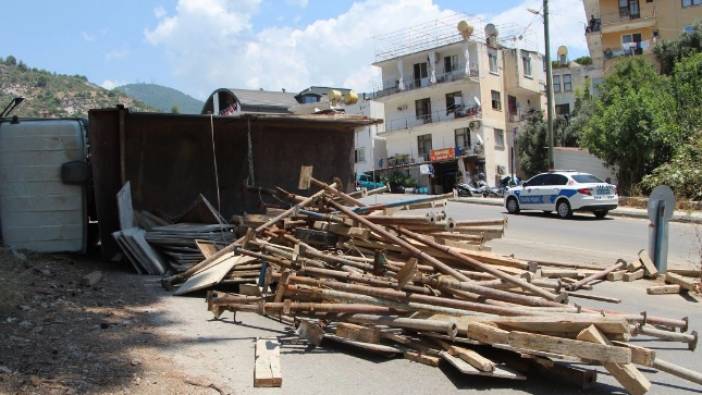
549,86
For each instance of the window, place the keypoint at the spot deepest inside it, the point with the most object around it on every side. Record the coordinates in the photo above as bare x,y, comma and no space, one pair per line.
563,109
422,109
536,180
567,83
526,63
629,8
492,57
632,43
420,72
360,155
496,100
512,106
424,146
690,3
309,99
454,101
462,138
556,84
586,178
499,138
450,63
555,179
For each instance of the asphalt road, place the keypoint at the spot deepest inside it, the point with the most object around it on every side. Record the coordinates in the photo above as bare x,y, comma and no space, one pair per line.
583,238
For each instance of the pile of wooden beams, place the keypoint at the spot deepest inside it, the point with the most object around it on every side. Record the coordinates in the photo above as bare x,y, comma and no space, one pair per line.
343,274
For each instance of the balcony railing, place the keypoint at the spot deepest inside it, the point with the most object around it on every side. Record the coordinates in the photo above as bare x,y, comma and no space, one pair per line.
393,86
433,117
632,49
626,16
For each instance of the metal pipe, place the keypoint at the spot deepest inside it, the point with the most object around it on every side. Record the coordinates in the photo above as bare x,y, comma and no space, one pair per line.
678,371
689,338
598,275
367,209
487,268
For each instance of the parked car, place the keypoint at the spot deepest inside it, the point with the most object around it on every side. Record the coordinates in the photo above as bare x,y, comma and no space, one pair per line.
564,192
366,181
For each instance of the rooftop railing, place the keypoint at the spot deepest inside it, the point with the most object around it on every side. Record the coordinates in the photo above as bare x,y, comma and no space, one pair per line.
457,73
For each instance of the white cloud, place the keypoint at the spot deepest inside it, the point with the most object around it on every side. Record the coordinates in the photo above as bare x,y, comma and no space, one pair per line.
159,12
110,84
87,36
211,43
116,54
298,3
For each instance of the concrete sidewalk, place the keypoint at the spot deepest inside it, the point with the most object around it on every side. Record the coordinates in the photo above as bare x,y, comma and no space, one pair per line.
694,217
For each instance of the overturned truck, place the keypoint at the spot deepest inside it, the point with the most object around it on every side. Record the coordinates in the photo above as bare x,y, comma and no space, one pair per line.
172,159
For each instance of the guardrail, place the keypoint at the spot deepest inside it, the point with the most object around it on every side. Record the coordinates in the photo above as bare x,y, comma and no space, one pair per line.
624,16
392,86
433,117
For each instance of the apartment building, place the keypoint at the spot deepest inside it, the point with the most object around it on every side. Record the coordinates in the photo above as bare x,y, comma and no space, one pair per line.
619,28
569,78
457,104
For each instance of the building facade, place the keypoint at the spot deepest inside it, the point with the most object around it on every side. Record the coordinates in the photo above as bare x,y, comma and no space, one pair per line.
458,107
569,79
619,28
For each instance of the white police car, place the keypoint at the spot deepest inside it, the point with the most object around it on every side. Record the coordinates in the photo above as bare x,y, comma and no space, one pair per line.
564,192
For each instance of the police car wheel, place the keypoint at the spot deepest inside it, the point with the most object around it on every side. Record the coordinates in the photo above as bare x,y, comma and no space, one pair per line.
563,209
512,206
601,213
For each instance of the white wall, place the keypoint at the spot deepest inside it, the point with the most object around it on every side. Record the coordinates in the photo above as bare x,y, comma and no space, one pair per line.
366,137
567,158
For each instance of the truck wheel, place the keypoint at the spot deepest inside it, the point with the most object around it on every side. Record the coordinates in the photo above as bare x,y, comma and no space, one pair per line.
563,209
512,206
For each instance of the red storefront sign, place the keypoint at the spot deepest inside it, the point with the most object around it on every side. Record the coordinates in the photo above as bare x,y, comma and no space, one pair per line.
442,154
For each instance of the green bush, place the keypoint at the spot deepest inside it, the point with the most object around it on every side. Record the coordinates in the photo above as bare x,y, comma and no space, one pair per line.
683,173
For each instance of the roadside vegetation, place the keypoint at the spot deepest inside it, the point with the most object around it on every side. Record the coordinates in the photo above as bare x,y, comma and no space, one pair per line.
645,123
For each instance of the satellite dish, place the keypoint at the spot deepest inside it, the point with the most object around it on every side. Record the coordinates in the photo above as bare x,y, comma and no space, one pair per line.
465,29
562,51
351,97
334,96
490,30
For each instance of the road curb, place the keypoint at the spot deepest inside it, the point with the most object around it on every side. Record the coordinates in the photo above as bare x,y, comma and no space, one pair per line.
627,213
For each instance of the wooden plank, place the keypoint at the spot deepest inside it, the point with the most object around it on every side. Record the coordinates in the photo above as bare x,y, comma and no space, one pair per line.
473,358
570,347
639,355
626,373
213,275
206,247
407,273
667,289
267,368
358,332
616,276
466,368
563,323
634,265
425,359
683,282
635,275
647,264
484,333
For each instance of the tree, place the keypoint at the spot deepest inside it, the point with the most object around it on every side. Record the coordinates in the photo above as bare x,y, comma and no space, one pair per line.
582,112
583,60
11,61
633,124
671,52
532,147
175,110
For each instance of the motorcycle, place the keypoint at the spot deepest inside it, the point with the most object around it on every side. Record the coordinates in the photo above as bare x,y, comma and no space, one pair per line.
479,189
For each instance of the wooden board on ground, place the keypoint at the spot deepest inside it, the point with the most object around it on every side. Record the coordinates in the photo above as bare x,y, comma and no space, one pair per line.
466,368
684,282
124,207
667,289
647,264
267,366
561,324
576,348
635,275
616,275
358,332
627,374
425,359
214,274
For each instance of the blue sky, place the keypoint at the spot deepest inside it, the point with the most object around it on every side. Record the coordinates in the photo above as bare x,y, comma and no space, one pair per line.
198,45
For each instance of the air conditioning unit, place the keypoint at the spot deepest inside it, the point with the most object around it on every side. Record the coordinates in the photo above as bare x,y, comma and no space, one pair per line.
474,125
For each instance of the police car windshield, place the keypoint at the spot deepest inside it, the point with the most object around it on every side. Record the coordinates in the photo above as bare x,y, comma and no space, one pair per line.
585,178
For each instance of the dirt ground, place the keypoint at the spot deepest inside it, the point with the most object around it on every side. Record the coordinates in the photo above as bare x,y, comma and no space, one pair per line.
60,335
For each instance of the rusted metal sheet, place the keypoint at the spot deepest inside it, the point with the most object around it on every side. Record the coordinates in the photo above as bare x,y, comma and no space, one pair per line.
168,159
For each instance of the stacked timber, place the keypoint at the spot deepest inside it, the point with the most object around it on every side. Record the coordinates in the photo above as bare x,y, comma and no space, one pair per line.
343,273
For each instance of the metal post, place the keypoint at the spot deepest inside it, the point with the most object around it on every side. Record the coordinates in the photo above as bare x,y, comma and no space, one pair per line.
549,86
660,239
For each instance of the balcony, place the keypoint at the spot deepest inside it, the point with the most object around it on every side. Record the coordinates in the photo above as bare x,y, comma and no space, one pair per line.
625,20
413,121
391,87
633,49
